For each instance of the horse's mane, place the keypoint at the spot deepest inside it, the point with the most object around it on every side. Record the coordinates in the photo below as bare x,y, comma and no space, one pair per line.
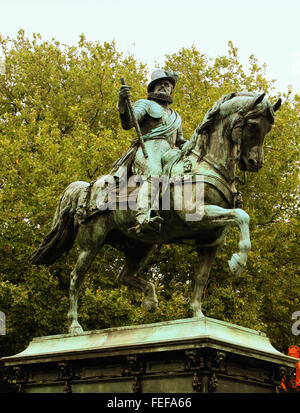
200,133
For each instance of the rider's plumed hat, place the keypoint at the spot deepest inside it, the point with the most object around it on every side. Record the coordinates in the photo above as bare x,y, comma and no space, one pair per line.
162,74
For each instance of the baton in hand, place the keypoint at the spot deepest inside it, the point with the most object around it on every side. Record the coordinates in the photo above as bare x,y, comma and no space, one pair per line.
136,125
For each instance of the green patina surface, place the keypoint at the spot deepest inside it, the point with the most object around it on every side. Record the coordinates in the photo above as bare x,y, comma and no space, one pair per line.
154,338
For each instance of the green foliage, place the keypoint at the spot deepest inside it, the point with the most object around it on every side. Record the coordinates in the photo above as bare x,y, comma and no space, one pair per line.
59,124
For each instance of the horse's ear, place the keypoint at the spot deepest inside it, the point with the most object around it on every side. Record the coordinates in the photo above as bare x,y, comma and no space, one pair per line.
259,99
214,112
277,105
255,101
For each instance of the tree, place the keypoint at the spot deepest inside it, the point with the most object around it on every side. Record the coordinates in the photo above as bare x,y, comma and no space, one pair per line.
59,124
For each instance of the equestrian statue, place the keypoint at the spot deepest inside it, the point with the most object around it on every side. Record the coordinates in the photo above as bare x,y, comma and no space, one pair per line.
200,173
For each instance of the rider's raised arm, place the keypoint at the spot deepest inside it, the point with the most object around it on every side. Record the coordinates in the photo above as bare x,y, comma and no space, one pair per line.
123,108
125,116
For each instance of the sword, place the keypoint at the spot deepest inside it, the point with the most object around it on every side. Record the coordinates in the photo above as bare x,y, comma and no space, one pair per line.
136,125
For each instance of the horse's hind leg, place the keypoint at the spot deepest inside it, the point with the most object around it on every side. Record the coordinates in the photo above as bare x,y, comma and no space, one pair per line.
206,257
136,259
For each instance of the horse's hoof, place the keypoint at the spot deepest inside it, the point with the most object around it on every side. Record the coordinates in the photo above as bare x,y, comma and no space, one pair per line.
75,329
150,302
235,266
195,309
198,314
150,305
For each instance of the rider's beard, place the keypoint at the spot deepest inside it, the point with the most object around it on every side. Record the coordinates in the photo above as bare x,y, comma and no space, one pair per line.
164,97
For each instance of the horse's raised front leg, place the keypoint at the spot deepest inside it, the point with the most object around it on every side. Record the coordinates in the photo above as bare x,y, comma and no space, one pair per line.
221,216
136,259
206,258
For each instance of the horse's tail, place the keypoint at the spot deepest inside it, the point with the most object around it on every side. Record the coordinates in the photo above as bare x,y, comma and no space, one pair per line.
64,230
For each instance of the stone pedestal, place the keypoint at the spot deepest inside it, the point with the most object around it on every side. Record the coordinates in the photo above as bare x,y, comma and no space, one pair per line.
182,356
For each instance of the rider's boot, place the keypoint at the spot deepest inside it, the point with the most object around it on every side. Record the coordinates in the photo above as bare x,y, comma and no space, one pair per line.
148,221
147,218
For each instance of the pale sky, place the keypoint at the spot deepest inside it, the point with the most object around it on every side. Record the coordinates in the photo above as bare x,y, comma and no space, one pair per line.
269,29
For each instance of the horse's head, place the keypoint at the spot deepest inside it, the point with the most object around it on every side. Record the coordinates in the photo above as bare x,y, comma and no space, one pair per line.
232,131
251,118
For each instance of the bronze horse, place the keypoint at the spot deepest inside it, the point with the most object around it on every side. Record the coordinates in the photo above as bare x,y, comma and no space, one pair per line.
232,132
